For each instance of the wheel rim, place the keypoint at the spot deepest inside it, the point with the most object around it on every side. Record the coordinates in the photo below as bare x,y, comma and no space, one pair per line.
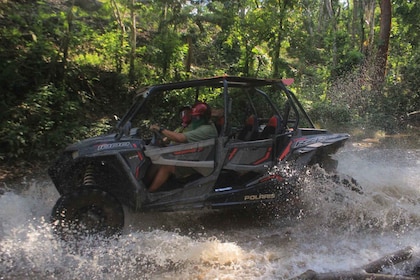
91,218
87,212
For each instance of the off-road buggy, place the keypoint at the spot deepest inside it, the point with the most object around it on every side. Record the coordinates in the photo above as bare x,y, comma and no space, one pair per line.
261,125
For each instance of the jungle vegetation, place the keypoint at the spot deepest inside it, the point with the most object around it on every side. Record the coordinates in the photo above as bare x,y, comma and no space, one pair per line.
68,66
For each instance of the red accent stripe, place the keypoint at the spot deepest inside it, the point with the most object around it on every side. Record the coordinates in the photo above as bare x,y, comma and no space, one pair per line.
233,153
286,151
266,156
183,152
139,154
274,176
137,172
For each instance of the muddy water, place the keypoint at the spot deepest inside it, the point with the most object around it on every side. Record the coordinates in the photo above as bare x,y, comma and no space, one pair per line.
332,229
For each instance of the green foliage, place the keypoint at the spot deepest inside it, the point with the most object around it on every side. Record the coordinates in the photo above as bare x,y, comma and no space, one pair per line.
325,113
168,51
349,61
408,88
45,121
34,125
407,13
66,70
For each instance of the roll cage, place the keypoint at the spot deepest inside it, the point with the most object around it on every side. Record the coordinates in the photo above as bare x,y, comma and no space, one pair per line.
226,84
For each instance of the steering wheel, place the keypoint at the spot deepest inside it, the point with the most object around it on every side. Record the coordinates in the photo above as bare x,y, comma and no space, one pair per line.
157,139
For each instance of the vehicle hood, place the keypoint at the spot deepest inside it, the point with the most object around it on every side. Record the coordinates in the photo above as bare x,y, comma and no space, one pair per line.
312,142
104,144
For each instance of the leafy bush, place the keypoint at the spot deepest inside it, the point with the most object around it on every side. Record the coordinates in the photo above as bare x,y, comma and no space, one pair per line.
47,120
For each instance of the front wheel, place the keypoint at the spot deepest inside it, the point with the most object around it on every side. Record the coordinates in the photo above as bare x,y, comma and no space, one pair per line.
87,211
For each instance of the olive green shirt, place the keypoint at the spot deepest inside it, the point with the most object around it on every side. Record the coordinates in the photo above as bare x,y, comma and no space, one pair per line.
203,132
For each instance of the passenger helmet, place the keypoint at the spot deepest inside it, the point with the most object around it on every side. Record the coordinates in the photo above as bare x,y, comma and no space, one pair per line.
202,110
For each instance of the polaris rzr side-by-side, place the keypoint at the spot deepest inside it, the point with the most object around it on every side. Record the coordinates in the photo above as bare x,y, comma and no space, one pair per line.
261,124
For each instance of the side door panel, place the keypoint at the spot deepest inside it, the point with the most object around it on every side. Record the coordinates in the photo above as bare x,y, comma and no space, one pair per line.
198,155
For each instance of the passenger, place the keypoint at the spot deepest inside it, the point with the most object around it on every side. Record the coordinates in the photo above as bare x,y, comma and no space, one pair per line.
200,128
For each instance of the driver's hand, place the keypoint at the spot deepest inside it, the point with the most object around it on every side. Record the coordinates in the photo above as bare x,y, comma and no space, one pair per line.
154,127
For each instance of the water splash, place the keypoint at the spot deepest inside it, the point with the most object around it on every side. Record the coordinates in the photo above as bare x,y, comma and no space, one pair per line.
335,228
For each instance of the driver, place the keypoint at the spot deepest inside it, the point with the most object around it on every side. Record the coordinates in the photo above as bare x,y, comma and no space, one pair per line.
185,116
200,128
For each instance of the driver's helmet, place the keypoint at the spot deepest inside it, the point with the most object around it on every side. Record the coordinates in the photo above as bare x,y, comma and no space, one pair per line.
185,115
201,110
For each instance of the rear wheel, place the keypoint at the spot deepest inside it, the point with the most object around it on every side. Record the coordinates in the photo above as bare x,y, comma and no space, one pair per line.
88,211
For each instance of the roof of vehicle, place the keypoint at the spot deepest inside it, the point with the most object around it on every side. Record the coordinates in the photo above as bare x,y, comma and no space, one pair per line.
218,81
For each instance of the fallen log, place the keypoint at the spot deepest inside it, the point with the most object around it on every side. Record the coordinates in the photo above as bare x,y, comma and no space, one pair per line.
369,271
349,275
389,260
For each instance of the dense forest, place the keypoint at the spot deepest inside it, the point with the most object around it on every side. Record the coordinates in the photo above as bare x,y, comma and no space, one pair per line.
69,66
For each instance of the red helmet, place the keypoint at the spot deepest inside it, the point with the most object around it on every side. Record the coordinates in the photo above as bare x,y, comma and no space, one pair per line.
201,109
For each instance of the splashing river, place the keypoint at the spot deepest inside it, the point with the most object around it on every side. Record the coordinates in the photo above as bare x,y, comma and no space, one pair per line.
334,229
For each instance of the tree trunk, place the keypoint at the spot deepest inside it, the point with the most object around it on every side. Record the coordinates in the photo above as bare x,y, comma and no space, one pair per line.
276,57
133,43
248,58
117,14
333,21
354,22
371,21
188,60
383,44
64,47
279,39
367,25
